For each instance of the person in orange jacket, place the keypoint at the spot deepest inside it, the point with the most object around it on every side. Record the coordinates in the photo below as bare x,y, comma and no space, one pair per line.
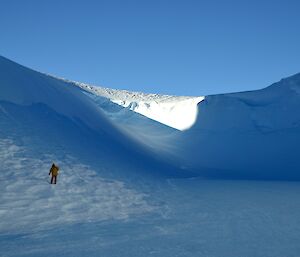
54,171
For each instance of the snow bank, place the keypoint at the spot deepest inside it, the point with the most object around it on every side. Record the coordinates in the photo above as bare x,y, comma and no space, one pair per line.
248,135
42,108
251,135
23,86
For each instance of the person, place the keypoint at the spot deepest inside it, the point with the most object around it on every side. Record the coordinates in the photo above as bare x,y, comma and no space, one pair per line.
54,171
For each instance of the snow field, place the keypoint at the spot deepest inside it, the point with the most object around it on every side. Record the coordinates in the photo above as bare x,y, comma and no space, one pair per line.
29,203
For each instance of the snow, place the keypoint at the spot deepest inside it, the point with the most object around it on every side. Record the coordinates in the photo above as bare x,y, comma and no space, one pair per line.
179,112
246,135
249,135
202,218
81,197
131,185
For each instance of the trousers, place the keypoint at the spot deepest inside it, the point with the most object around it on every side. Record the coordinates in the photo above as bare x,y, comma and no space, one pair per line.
53,179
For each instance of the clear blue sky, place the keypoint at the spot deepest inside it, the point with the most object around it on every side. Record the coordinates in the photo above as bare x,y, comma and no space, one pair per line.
176,47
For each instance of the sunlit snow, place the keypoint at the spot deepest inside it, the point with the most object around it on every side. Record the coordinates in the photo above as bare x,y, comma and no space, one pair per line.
179,112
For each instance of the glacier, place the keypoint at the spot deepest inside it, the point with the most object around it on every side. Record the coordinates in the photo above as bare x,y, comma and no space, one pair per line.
147,174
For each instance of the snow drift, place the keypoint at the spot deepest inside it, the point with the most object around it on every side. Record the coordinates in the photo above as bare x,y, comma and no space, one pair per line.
246,135
50,112
253,135
249,135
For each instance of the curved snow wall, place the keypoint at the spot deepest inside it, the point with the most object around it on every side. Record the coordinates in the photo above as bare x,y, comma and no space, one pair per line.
249,135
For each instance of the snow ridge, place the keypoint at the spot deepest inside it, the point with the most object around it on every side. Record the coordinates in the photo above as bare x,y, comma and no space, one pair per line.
179,112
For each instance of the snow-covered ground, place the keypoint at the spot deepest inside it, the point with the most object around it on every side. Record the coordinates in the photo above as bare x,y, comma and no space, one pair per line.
193,217
131,185
27,198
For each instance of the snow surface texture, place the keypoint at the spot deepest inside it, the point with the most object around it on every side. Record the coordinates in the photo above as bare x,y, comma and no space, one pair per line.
179,112
27,198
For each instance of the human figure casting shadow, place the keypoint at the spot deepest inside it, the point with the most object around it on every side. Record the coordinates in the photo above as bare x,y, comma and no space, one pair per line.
54,171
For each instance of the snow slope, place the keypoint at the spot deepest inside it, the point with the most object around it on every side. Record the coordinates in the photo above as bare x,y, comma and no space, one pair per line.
178,112
82,196
248,135
252,135
45,120
27,97
125,187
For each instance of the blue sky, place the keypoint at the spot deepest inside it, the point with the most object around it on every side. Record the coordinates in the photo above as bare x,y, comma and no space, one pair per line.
176,47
